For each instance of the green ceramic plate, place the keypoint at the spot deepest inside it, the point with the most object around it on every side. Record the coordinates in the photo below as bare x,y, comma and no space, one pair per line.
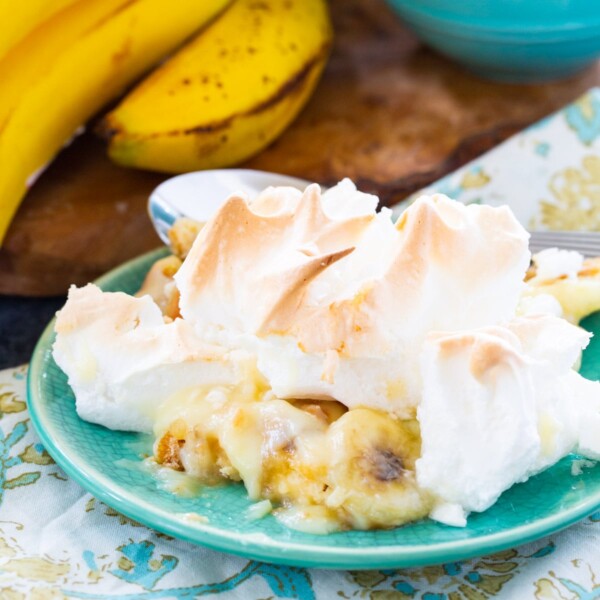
93,456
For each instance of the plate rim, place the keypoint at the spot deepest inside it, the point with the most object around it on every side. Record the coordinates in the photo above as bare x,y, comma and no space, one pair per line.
265,548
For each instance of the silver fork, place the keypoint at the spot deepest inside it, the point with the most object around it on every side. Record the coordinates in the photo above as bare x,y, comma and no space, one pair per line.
584,242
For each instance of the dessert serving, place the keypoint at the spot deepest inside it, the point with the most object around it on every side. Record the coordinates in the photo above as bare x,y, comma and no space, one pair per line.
351,371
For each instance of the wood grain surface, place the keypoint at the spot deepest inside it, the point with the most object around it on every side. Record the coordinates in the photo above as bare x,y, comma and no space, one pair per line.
388,113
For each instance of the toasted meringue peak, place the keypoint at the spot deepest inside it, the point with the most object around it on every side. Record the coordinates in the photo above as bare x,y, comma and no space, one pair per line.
444,266
276,201
344,200
499,404
244,264
341,201
122,359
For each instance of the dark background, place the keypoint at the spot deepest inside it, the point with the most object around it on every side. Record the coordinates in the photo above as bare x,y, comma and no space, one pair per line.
22,321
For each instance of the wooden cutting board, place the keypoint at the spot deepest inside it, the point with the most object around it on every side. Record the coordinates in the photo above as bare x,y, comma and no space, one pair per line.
389,113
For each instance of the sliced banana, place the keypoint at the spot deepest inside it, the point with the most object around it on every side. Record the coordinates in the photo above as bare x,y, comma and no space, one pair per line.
577,294
371,474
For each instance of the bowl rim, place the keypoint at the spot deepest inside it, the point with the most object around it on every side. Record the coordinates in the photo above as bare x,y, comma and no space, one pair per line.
529,32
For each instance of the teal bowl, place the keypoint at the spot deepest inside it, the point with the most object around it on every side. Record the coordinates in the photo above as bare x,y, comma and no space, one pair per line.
509,40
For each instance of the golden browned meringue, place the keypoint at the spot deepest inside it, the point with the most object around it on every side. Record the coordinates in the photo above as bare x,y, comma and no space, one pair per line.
123,360
246,267
334,306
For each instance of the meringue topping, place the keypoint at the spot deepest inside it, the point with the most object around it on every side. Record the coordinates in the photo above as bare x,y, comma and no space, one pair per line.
498,406
123,360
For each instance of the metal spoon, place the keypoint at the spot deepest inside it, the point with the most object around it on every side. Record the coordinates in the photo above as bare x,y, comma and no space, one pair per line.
200,194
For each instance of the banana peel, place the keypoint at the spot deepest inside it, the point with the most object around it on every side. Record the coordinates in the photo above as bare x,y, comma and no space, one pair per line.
227,94
18,19
69,67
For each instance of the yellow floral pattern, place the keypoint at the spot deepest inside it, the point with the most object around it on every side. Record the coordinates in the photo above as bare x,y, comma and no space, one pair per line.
576,204
549,174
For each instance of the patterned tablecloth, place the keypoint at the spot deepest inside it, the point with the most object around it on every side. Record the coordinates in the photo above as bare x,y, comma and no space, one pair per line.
57,541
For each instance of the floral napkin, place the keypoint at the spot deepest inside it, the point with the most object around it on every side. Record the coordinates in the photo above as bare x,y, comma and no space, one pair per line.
549,173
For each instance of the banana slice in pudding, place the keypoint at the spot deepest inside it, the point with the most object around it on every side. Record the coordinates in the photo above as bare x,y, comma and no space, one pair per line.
371,472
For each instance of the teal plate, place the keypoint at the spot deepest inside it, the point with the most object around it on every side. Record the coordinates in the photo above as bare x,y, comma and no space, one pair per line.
93,457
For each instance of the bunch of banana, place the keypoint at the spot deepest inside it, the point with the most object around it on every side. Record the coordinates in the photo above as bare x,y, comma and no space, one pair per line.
61,61
229,93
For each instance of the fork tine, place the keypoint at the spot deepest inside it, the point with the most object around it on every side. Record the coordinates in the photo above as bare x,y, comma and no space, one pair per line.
566,243
565,235
587,243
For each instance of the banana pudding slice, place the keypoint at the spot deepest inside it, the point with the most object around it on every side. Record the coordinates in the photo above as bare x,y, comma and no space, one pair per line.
358,373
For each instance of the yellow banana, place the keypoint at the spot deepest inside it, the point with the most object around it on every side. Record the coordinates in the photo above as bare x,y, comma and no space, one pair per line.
228,93
30,59
17,19
70,66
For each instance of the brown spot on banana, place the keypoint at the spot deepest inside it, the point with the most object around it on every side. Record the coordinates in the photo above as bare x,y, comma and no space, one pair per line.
107,130
385,465
123,53
293,82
